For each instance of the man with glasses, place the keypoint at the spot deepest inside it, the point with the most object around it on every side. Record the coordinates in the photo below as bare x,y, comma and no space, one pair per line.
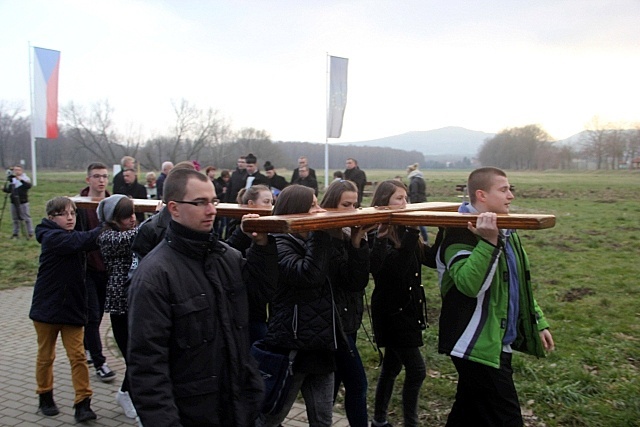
189,360
96,277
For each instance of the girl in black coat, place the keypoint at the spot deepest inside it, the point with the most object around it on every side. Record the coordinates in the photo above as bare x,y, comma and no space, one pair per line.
303,313
398,306
342,195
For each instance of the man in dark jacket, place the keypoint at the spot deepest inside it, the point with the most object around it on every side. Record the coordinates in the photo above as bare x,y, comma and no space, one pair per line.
355,174
254,177
166,168
305,179
302,161
127,162
96,277
237,181
276,182
189,356
133,189
18,185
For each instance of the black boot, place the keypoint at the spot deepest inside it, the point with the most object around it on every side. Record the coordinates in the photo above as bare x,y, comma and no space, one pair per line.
47,405
83,411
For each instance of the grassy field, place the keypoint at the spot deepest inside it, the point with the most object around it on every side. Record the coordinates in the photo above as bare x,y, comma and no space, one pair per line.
585,272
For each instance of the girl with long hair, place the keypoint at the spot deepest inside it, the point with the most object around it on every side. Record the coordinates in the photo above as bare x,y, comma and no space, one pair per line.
303,310
398,306
342,195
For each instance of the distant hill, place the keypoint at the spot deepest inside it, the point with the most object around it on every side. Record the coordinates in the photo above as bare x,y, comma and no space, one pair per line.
453,142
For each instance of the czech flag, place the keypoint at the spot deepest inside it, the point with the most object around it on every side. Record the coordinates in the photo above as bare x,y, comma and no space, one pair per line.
45,93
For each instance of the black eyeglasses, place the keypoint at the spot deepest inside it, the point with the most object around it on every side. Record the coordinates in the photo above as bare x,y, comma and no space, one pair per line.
201,203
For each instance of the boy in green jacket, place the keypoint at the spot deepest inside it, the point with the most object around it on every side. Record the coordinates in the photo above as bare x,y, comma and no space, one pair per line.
488,309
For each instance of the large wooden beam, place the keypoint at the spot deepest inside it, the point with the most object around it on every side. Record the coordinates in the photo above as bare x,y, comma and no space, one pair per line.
369,216
457,220
335,219
229,210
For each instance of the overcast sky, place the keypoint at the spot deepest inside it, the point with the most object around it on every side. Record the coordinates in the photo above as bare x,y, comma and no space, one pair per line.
413,64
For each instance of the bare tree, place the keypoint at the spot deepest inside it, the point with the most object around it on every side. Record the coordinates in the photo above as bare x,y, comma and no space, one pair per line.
633,143
615,142
14,134
95,132
195,130
594,142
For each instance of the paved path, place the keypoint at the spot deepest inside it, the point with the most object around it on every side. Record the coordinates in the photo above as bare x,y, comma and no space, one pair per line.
18,400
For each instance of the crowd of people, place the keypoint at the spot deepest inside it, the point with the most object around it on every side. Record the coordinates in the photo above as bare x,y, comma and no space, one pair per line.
189,292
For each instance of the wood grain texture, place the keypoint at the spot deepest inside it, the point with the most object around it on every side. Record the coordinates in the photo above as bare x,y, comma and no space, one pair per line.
334,219
228,210
458,220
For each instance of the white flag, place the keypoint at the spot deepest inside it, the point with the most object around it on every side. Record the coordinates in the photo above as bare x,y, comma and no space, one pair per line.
337,95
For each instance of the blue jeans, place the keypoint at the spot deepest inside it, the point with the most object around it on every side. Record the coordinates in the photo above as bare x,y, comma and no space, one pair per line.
317,392
350,371
415,373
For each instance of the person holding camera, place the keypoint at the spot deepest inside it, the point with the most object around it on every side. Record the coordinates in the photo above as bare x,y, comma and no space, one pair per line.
18,185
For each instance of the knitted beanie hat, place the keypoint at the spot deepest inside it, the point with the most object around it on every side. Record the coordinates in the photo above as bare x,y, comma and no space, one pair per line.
268,166
107,206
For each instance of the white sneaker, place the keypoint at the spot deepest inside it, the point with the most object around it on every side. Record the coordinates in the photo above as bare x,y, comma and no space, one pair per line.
124,400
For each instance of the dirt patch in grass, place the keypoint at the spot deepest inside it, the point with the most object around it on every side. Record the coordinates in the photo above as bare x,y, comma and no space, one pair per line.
576,294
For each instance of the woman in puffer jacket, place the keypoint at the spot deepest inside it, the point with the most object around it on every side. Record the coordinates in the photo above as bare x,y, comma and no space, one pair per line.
342,195
303,314
398,306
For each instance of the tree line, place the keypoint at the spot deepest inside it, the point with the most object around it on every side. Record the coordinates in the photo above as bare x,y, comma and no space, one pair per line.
90,134
531,148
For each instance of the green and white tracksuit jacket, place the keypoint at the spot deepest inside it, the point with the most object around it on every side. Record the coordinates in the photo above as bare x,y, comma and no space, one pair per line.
474,286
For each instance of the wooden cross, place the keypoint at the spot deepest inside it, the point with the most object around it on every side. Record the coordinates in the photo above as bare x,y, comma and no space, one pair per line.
438,214
229,210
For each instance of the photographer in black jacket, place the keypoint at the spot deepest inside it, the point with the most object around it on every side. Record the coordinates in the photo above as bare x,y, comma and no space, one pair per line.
18,185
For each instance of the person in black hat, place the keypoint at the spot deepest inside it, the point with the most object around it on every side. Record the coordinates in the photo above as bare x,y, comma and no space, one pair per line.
276,182
254,177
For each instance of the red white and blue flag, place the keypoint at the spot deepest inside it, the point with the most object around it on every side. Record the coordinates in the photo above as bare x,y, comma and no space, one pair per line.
45,93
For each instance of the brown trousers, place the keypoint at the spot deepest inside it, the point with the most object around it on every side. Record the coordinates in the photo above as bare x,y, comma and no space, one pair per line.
73,342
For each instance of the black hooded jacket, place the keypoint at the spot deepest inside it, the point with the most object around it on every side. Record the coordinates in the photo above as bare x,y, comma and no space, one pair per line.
189,359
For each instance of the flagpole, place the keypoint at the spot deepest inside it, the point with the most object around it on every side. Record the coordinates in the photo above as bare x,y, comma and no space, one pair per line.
326,127
34,171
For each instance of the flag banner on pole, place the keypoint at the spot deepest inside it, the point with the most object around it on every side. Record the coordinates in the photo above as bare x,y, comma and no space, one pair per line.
45,93
337,95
